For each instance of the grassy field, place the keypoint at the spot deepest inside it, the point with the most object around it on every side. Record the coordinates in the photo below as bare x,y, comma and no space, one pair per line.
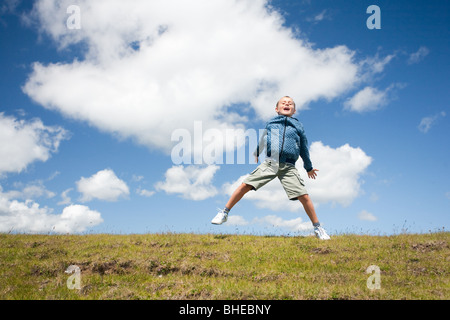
192,266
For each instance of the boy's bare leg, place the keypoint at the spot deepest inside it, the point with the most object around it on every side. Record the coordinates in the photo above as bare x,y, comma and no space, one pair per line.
238,194
309,207
222,215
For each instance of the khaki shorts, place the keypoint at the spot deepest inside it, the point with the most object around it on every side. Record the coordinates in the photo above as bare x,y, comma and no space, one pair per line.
286,172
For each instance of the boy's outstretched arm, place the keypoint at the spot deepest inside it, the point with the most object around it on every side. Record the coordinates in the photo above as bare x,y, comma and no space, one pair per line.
304,152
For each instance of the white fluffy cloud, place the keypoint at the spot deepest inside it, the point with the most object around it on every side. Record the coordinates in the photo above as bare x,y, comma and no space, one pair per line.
144,192
29,217
371,99
31,190
419,55
367,216
339,179
103,185
338,182
372,66
427,122
148,69
23,142
191,182
65,199
368,99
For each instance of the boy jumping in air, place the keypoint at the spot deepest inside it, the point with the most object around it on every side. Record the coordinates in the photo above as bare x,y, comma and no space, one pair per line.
285,142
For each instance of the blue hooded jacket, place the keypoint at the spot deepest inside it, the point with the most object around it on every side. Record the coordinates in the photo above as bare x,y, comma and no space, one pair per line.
285,138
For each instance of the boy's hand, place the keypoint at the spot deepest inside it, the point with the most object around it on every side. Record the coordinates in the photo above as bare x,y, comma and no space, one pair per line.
256,159
312,174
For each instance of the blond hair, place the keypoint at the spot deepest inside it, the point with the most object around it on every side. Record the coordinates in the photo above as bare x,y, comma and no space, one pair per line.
285,97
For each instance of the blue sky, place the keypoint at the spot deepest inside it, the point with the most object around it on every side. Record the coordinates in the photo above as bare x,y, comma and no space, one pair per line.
87,114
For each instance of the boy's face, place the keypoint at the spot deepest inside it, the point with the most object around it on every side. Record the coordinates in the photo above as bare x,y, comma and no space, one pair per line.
285,107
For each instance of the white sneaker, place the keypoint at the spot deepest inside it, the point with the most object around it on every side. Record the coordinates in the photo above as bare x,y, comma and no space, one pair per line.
321,233
220,218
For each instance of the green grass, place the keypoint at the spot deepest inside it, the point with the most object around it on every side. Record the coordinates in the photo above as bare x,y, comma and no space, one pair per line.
192,266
